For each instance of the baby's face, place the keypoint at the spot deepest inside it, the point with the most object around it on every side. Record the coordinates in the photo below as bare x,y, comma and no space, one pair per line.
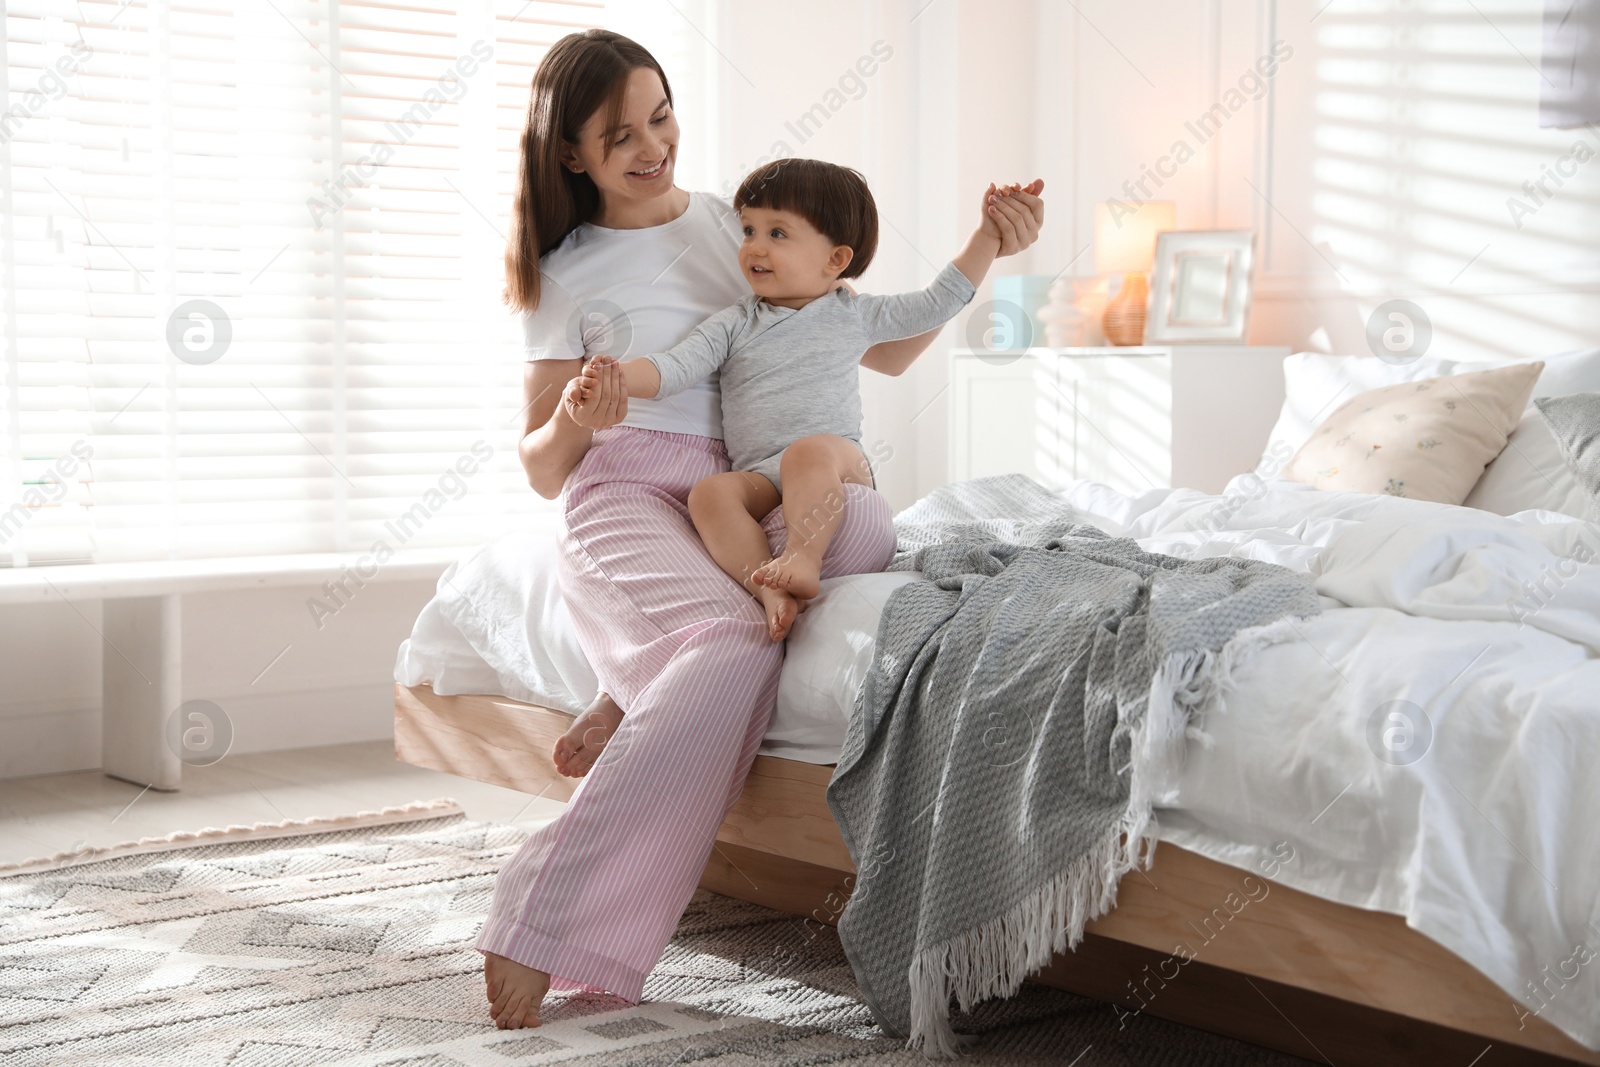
784,257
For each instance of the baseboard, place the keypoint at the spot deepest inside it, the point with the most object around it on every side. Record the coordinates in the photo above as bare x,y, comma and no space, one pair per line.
48,740
60,740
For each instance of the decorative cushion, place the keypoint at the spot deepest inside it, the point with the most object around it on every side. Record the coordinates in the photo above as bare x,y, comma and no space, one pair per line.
1427,440
1315,383
1575,422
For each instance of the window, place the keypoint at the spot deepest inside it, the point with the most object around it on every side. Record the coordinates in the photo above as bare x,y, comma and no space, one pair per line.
252,272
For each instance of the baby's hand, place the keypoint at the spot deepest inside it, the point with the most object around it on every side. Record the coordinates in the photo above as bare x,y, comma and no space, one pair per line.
596,398
595,369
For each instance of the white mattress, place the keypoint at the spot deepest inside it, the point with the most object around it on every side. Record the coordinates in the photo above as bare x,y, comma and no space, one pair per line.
1484,844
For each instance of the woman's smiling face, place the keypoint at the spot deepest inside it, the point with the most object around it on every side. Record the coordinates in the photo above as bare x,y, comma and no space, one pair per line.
643,149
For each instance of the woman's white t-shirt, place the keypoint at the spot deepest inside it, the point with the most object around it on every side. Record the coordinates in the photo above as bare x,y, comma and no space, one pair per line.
624,293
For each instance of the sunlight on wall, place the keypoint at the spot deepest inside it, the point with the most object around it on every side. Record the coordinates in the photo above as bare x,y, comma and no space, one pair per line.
1428,172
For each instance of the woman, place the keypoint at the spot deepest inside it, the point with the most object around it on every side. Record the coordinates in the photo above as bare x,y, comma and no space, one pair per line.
590,900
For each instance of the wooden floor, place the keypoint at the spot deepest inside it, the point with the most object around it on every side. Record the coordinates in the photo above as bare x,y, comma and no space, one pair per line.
57,812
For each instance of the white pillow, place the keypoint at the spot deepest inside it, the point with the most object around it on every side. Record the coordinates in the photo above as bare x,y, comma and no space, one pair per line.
1532,473
1569,373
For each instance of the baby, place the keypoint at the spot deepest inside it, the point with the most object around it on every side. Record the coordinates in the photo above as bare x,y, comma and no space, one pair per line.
788,353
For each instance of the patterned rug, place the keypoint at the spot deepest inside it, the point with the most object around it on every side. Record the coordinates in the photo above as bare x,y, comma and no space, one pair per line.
348,942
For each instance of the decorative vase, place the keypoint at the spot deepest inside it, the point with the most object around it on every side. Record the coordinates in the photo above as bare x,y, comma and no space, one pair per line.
1124,317
1071,317
1063,320
1089,296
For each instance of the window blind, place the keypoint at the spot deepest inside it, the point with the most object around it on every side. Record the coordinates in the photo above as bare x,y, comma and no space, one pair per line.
252,274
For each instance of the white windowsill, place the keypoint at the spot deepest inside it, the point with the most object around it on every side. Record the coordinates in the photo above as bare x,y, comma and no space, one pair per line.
97,581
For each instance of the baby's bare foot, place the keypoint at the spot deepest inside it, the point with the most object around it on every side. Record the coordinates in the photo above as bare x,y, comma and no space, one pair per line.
797,575
515,992
781,610
578,748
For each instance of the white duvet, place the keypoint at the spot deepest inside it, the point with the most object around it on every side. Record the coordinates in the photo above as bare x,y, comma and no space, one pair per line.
1427,747
1482,833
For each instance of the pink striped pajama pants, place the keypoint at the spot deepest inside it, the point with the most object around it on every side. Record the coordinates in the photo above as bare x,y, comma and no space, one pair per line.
593,897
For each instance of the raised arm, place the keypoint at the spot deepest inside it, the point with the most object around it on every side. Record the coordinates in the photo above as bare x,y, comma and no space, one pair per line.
1015,214
893,357
886,318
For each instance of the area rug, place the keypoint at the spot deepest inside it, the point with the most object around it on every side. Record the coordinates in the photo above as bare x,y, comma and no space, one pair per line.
348,942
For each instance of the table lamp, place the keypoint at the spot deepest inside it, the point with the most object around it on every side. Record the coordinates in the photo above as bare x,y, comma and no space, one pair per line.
1125,243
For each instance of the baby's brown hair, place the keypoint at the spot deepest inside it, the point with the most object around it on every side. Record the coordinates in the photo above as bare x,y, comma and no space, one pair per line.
832,198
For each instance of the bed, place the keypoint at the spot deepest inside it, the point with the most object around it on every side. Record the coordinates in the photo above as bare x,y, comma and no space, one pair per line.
1419,912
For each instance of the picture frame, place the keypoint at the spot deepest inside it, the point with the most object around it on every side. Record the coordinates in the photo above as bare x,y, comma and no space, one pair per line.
1201,286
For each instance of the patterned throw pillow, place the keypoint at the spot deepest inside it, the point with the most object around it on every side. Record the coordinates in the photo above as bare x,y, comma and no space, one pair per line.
1575,421
1427,440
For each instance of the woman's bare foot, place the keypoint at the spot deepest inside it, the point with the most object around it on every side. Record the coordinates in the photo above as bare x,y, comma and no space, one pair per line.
515,992
798,575
781,610
578,748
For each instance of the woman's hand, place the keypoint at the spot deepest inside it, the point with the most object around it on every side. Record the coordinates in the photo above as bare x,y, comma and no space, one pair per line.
552,444
597,398
1012,214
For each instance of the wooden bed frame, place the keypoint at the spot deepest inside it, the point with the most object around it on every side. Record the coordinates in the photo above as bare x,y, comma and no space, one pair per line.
1289,971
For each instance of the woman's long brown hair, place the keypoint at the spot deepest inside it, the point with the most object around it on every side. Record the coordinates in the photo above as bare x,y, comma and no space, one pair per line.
581,73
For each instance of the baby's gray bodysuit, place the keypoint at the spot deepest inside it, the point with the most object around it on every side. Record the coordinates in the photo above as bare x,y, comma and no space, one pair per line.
789,373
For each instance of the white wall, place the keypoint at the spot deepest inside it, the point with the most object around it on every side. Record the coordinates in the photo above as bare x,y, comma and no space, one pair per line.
1379,166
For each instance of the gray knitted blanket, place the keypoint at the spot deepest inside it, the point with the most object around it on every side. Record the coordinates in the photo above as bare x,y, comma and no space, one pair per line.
1026,702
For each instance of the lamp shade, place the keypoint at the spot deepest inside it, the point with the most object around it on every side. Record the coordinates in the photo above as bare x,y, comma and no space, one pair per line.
1125,234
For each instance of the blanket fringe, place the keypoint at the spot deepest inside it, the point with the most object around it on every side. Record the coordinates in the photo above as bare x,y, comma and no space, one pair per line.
993,960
